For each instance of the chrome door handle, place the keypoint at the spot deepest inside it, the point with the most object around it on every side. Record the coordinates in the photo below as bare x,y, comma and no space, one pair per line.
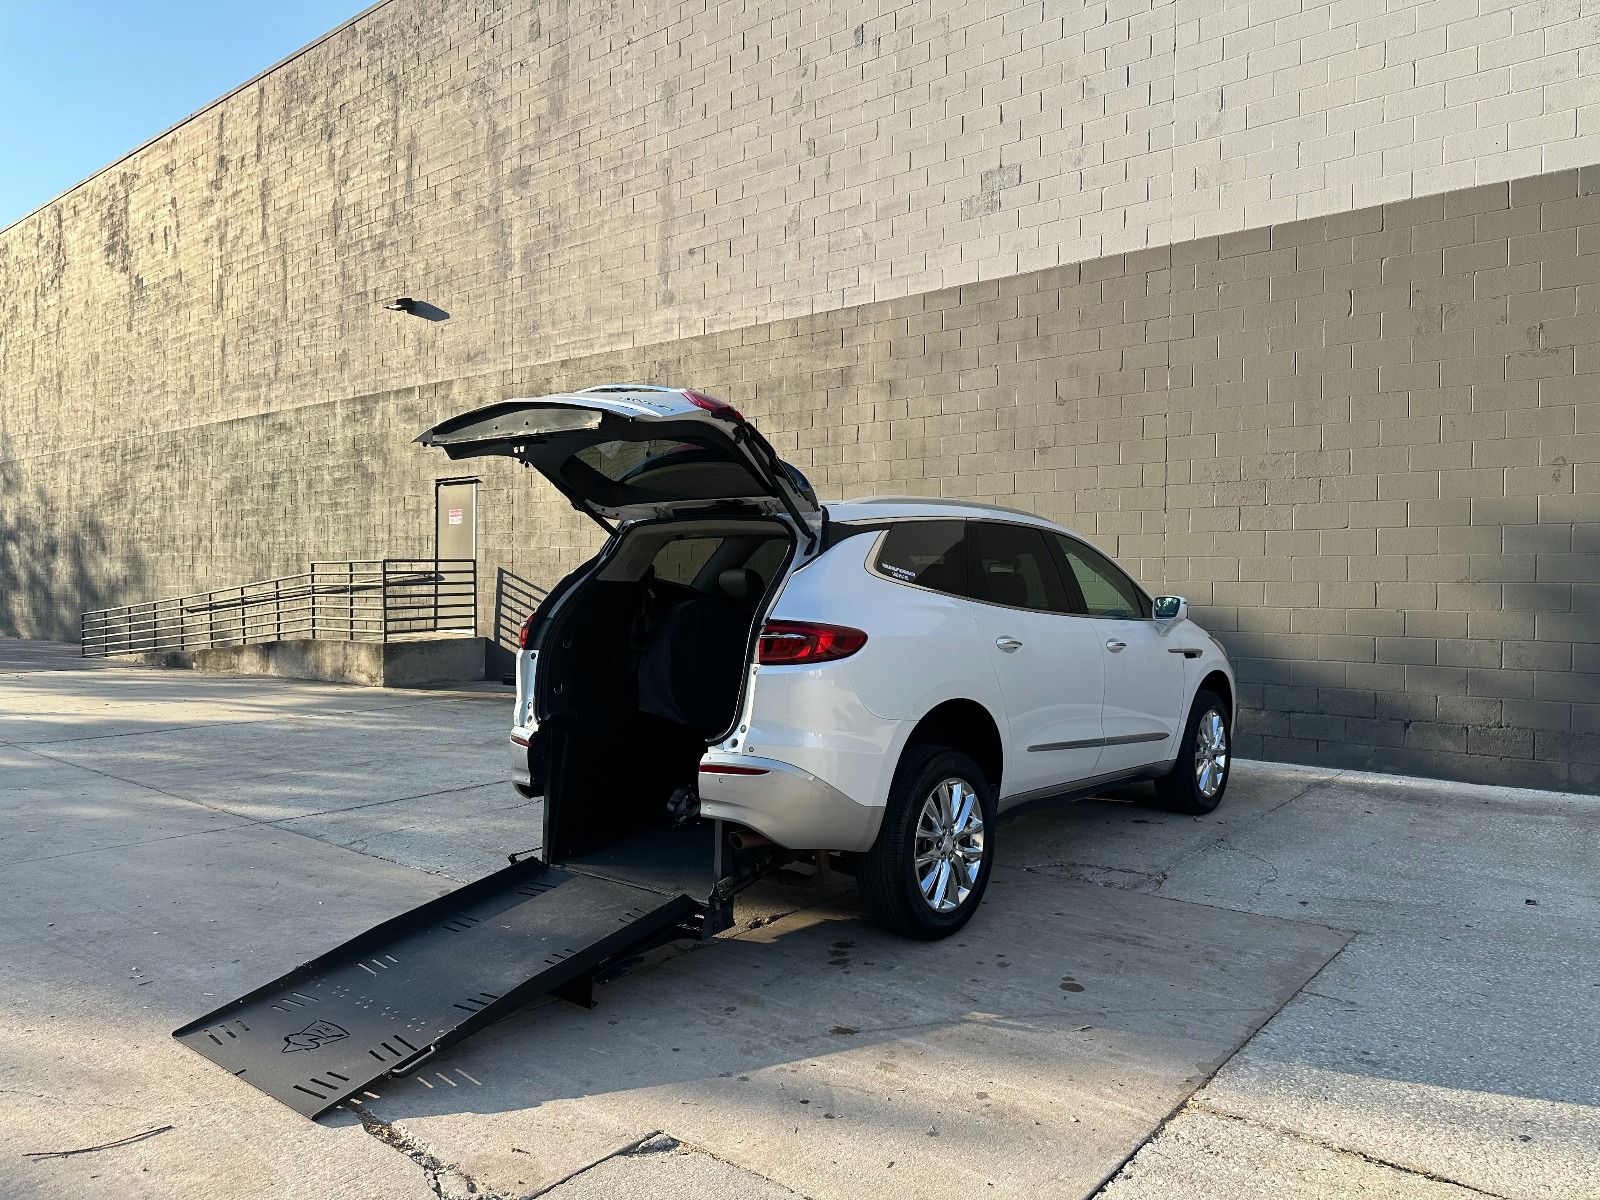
1115,646
1008,644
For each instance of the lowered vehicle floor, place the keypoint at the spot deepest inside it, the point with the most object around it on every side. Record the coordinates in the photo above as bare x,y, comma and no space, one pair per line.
381,1004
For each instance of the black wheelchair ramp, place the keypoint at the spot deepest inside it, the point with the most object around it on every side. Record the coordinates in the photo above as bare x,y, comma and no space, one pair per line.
386,1000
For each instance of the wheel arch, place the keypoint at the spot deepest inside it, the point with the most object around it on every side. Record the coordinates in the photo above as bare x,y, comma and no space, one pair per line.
967,726
1218,682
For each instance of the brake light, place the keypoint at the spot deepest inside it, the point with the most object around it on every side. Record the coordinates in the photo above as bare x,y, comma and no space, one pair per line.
788,642
712,405
522,634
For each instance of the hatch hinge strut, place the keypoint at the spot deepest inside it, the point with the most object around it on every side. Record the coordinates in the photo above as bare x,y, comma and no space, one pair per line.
766,459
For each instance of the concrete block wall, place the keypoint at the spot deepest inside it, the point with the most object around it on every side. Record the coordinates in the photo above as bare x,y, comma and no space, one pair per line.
1293,307
567,179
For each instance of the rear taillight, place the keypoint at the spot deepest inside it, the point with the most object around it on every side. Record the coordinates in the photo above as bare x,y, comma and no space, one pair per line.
522,634
712,405
785,643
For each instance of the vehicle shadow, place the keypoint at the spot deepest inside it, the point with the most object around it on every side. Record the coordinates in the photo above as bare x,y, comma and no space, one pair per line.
1065,975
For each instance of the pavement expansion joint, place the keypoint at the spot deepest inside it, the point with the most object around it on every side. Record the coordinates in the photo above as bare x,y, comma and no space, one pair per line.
1301,1136
1201,1082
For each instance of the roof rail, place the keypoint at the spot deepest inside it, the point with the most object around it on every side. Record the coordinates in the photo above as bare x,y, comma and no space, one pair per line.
945,502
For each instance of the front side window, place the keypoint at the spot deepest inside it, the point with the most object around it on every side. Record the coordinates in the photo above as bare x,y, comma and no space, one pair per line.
1107,591
1013,566
925,553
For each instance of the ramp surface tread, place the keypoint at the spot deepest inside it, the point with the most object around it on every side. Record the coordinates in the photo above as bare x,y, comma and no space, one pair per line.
385,1000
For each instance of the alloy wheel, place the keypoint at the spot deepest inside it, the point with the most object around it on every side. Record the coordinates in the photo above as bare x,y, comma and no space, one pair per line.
949,845
1210,753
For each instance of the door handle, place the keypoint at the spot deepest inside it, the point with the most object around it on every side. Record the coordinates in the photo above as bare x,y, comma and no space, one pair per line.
1008,644
1115,646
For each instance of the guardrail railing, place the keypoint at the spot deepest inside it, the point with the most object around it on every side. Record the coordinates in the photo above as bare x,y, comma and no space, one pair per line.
358,600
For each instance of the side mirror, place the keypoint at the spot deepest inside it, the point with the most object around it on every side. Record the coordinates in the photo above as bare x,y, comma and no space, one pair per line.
1170,611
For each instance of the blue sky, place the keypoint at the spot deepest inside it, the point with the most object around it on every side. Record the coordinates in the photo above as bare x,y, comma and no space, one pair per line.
82,82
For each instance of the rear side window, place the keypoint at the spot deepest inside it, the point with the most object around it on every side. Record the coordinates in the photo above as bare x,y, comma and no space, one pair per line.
681,559
696,561
926,553
1107,591
1014,567
767,558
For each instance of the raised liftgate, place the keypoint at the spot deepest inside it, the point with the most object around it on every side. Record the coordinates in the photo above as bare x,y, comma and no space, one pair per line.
385,1001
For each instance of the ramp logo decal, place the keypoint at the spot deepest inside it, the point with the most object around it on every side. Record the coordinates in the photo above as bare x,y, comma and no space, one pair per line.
318,1033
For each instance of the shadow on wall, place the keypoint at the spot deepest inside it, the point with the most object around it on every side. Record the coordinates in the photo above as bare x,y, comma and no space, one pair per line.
55,566
1489,687
515,599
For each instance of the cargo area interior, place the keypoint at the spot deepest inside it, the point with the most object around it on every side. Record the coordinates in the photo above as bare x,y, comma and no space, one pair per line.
639,669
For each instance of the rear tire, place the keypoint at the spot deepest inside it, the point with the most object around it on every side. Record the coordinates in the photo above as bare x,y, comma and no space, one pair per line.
1200,776
930,866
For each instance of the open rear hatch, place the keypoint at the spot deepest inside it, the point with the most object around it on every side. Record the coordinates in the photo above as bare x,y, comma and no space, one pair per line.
628,452
619,873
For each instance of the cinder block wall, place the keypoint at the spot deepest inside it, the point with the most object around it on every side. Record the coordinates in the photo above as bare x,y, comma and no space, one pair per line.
1207,286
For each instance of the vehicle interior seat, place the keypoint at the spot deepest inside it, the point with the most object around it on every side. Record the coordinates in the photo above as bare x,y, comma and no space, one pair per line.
694,652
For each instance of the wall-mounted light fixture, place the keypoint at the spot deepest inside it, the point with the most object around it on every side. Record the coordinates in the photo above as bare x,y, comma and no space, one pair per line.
403,304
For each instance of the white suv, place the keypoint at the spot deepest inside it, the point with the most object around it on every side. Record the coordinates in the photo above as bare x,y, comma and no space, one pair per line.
878,678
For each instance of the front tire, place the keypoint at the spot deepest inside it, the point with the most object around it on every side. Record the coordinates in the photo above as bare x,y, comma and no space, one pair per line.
930,866
1197,780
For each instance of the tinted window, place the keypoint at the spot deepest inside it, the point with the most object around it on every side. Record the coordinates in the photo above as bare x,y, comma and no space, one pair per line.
682,559
1107,592
1015,567
767,558
926,553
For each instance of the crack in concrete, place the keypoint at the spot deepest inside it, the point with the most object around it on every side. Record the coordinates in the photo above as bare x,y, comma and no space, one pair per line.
1151,882
1072,872
654,1142
1228,848
1308,1139
449,1181
441,1176
1223,838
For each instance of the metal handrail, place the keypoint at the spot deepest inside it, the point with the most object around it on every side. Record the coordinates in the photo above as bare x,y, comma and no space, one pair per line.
376,599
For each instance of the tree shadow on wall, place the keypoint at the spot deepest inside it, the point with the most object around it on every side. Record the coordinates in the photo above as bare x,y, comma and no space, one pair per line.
55,565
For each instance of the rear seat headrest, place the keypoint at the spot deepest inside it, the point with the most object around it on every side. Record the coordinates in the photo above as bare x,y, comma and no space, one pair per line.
739,584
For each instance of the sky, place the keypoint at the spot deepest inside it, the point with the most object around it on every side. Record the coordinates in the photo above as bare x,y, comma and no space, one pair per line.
82,82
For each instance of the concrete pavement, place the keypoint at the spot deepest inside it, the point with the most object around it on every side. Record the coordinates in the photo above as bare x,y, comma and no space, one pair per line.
1333,986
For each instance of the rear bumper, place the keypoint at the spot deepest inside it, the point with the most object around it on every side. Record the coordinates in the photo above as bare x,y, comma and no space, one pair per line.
521,776
791,806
